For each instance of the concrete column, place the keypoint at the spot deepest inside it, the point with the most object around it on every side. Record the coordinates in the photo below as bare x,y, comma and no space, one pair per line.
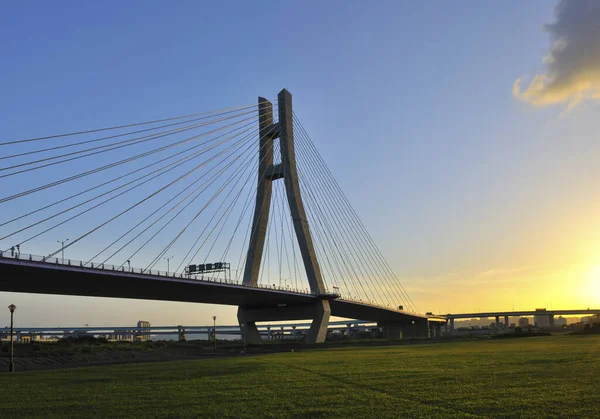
318,327
497,323
250,329
551,320
268,132
349,330
292,187
452,326
506,324
269,332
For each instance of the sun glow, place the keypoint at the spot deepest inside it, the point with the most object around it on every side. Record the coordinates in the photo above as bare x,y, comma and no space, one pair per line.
593,282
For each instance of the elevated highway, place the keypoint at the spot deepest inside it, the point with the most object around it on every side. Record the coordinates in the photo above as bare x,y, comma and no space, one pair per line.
524,313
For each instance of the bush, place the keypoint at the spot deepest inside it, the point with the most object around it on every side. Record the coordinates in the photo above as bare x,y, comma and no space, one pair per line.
83,339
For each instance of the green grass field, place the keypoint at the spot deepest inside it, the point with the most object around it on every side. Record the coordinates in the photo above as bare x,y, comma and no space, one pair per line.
533,377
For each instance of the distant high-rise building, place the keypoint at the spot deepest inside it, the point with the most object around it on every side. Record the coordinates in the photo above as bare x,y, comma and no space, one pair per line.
143,326
523,322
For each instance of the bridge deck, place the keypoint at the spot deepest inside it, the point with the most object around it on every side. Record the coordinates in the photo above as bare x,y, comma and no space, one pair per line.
43,277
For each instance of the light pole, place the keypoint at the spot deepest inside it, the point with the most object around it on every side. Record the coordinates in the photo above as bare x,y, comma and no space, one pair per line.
215,335
414,332
11,365
168,259
62,248
129,265
243,338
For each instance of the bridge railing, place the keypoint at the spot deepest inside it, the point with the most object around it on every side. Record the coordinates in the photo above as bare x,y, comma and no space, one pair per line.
334,294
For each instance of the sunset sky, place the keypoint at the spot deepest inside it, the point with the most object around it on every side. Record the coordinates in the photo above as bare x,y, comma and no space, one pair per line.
465,134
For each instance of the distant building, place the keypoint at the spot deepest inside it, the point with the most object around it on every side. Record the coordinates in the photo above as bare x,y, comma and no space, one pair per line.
523,322
560,321
145,327
589,319
123,334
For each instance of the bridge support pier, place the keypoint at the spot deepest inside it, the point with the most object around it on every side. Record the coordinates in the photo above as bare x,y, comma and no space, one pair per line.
506,324
252,335
418,329
391,330
434,329
319,312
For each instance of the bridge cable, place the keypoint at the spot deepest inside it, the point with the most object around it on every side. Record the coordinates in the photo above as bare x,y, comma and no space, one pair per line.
350,252
248,201
204,187
355,218
245,208
185,257
246,164
333,242
111,147
283,214
377,265
132,207
286,185
115,179
164,169
348,241
236,144
219,191
122,126
111,165
80,143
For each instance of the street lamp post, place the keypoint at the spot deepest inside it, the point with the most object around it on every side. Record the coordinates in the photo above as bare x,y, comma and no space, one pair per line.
62,248
215,335
11,365
168,259
414,332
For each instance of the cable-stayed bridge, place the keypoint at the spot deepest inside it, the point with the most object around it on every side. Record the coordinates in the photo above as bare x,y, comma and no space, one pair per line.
237,203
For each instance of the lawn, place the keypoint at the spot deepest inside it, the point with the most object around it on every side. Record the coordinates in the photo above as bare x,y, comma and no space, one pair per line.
532,377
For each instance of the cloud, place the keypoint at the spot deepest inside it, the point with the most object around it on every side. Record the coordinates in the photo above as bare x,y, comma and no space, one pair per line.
573,62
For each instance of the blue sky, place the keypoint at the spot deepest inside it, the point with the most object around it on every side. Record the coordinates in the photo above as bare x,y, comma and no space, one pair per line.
409,103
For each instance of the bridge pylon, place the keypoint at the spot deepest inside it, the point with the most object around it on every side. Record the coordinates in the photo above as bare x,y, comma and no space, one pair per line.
269,172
